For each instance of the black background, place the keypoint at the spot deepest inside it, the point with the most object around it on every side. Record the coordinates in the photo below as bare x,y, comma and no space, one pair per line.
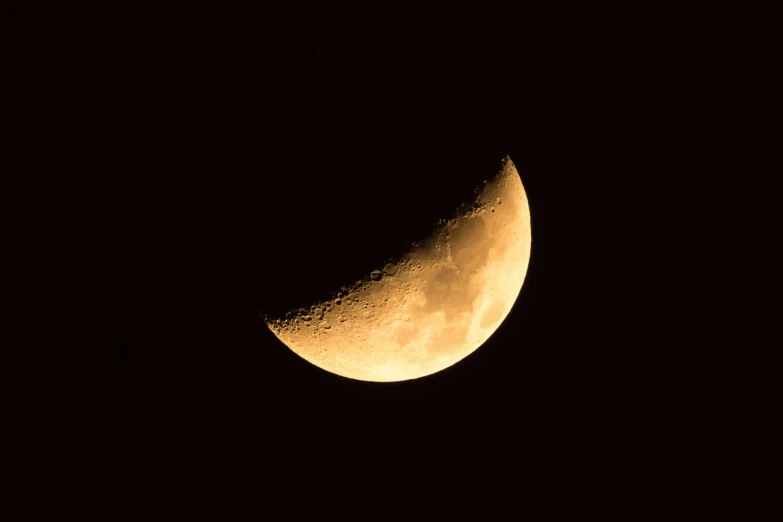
202,170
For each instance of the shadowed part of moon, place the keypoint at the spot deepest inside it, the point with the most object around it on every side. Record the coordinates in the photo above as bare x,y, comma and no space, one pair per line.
433,306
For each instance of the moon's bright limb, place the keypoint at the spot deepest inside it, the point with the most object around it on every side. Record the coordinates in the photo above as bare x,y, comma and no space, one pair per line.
432,308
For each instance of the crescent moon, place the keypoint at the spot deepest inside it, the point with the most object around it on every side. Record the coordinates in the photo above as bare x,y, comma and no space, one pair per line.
431,308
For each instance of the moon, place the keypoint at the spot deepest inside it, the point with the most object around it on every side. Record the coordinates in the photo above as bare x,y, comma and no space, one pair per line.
430,308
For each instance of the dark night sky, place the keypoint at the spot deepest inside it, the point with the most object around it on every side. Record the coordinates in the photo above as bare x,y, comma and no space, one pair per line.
214,171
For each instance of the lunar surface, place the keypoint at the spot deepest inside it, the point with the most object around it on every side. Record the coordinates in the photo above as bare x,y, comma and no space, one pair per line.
430,308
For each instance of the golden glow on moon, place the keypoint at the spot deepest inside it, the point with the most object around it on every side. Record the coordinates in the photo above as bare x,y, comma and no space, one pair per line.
432,308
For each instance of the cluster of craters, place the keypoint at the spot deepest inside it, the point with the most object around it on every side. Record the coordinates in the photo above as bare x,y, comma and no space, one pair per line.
354,301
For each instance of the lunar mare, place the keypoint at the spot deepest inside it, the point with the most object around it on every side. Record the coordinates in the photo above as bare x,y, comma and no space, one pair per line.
433,306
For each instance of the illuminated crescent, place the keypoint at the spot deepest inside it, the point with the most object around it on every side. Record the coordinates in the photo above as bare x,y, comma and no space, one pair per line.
434,306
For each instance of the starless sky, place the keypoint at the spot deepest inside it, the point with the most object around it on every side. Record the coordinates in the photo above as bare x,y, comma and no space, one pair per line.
237,171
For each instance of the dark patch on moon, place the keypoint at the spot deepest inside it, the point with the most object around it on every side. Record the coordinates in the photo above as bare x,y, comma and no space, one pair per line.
449,338
405,333
470,244
450,291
